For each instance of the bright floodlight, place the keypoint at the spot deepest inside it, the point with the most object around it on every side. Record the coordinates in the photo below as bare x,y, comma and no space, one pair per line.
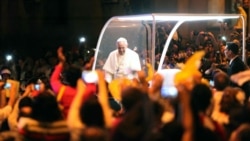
82,39
224,38
177,17
8,57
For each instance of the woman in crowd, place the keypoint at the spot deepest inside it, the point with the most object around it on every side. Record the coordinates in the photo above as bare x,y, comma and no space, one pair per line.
63,82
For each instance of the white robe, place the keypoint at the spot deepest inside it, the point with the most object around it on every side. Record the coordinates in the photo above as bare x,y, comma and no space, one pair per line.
117,66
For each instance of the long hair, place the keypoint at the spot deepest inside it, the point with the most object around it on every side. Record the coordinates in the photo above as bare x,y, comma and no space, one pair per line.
71,74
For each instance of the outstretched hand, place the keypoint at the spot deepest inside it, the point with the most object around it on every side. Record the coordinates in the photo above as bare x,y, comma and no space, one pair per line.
88,65
60,55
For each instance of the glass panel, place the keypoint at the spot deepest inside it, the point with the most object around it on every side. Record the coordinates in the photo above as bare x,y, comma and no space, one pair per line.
137,33
155,36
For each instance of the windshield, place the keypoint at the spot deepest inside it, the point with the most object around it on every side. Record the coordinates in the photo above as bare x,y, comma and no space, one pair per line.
160,38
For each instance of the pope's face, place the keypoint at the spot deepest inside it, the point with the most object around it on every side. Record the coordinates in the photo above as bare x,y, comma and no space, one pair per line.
121,46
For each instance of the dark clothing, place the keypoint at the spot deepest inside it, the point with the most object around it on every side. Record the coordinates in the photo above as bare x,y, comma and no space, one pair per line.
237,65
246,88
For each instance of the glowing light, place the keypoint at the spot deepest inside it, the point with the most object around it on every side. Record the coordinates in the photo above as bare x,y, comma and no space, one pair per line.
82,39
177,17
8,57
224,38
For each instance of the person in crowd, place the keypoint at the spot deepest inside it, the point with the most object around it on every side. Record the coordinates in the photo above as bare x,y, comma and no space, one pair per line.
236,65
81,111
122,61
26,72
8,95
239,9
63,82
222,61
145,126
23,105
130,96
201,97
234,107
37,85
41,67
204,36
5,73
6,110
209,61
190,49
48,111
136,103
45,122
52,60
5,92
221,81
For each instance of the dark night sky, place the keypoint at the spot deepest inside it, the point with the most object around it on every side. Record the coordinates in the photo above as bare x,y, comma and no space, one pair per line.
35,26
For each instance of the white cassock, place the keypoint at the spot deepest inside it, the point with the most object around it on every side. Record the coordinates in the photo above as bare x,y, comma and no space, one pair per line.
117,66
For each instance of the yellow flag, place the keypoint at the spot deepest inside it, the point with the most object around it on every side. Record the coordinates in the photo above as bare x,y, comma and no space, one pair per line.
190,69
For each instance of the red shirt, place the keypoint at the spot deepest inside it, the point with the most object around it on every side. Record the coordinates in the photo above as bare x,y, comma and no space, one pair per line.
69,92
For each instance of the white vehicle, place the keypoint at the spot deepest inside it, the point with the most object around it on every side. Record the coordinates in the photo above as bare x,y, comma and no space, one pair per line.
143,33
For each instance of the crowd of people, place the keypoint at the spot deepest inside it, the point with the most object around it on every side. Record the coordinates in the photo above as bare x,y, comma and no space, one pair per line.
55,99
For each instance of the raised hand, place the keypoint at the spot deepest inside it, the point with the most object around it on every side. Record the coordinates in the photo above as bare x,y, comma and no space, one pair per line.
60,55
184,91
88,66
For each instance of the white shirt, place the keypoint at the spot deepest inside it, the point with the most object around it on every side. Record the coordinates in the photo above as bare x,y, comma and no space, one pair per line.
231,60
117,66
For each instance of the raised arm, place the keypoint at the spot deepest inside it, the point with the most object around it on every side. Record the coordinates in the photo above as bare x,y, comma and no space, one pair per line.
187,116
55,77
13,92
73,119
6,110
103,99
